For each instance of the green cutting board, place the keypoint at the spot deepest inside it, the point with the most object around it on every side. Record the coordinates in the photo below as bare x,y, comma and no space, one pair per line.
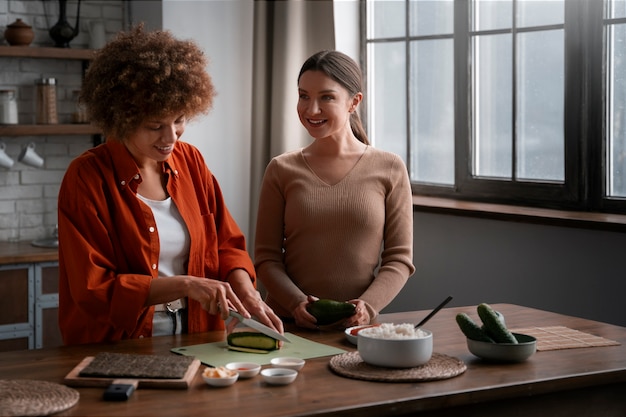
217,354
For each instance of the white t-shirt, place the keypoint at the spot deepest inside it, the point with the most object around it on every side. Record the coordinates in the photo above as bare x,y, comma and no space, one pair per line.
173,253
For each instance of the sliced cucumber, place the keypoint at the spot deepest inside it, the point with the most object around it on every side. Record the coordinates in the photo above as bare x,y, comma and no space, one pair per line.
252,340
247,350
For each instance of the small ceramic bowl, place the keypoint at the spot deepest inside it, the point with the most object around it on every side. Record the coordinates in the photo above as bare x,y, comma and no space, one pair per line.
289,363
504,352
244,369
219,377
352,332
279,376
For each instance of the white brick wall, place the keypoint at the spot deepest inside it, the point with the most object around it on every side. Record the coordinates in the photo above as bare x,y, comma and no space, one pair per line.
28,196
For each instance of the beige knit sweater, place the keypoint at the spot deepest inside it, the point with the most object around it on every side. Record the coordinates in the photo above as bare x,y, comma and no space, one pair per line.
350,240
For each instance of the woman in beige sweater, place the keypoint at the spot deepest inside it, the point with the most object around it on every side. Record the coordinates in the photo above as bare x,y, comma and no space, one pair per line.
335,218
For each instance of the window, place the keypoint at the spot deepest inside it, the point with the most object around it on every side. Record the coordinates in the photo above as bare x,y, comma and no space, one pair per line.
509,101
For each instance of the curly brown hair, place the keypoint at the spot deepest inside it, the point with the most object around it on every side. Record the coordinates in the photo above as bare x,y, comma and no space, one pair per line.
142,74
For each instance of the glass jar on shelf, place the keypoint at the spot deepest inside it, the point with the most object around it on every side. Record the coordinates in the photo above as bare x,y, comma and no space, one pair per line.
46,100
79,115
8,107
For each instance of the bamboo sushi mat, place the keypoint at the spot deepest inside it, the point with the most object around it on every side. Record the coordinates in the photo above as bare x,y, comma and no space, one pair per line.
23,397
561,337
439,367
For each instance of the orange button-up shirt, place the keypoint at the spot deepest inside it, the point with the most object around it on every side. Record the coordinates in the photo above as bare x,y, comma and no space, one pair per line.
109,242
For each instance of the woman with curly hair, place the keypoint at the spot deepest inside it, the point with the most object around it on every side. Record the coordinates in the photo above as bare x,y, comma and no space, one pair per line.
147,245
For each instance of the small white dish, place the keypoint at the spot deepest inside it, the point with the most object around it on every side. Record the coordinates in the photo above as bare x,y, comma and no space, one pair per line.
244,369
352,332
279,376
289,363
219,377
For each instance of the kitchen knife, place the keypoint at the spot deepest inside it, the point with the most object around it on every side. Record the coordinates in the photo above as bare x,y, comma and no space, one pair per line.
258,326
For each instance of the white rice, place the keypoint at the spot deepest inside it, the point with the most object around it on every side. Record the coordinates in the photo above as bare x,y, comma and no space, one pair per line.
394,331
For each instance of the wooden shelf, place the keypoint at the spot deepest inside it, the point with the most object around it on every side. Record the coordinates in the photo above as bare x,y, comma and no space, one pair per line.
42,130
81,54
47,52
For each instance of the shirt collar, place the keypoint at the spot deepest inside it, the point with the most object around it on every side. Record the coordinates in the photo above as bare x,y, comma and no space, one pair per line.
126,167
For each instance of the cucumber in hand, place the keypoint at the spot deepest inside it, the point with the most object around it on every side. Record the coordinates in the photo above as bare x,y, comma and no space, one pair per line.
330,311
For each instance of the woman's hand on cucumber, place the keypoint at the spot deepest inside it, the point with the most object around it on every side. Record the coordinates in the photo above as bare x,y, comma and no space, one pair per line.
302,316
361,315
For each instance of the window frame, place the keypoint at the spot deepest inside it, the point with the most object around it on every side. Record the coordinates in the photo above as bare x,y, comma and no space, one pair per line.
583,188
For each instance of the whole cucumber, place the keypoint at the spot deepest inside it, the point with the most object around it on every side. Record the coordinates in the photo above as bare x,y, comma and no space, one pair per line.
493,325
330,311
470,329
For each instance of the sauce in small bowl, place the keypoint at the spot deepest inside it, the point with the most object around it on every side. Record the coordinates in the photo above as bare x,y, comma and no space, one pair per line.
244,369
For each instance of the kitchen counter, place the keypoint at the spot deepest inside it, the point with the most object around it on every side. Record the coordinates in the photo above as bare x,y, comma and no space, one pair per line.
24,253
580,382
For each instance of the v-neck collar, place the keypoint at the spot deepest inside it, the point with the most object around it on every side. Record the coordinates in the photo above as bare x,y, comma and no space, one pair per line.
356,164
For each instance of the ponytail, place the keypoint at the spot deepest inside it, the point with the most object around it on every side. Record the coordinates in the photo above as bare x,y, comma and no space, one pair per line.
357,128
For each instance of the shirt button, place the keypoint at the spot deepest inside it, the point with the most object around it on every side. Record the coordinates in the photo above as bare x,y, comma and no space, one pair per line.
175,172
151,229
123,182
137,176
154,266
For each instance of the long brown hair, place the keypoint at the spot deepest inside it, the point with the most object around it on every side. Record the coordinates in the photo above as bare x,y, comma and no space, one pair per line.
344,70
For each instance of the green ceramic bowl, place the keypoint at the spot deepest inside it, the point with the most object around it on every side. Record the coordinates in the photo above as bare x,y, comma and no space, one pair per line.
504,352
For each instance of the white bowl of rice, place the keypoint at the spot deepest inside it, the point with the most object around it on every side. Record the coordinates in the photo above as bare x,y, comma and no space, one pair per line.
395,345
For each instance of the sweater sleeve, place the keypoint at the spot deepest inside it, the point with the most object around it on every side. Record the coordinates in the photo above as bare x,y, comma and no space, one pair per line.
397,255
268,248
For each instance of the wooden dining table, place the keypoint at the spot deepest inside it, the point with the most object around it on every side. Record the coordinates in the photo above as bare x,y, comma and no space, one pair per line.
587,381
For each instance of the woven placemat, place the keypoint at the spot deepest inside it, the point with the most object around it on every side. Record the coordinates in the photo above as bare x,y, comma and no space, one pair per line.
561,337
439,367
130,365
24,397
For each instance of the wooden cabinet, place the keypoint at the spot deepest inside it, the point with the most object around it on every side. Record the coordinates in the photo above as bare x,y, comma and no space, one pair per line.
30,313
85,55
17,323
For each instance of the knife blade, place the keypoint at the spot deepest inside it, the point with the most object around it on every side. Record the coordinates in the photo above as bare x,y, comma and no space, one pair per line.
258,326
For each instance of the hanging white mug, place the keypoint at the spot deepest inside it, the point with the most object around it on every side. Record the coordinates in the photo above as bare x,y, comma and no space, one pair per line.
97,37
28,156
5,160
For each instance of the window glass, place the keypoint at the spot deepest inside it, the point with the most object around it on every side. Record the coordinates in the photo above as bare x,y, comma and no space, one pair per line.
539,12
431,17
387,96
432,111
491,15
519,101
615,8
540,106
386,18
616,110
492,106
